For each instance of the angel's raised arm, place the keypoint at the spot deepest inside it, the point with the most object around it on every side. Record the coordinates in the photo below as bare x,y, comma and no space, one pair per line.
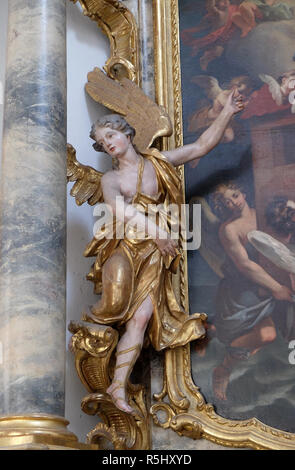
211,137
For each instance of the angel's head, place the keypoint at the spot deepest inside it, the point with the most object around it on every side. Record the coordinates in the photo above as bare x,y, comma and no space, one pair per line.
280,215
112,134
228,200
243,84
222,4
287,82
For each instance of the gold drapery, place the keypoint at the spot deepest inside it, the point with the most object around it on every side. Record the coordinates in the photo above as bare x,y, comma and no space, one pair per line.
150,273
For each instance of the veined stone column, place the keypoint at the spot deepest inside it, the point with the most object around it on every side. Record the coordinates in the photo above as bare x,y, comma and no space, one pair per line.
32,224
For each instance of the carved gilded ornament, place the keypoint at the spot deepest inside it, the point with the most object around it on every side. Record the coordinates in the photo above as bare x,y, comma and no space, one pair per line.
93,345
197,419
184,409
118,23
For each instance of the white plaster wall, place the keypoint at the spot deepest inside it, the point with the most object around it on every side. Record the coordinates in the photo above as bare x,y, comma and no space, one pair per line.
87,47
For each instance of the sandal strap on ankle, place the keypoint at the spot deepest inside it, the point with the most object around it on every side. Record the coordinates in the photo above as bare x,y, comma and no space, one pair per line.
131,363
124,364
125,351
119,385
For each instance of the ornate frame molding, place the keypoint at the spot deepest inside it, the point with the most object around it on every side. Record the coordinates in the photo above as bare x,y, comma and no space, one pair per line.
187,412
118,23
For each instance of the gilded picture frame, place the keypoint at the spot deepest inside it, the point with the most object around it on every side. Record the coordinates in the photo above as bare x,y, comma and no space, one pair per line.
188,413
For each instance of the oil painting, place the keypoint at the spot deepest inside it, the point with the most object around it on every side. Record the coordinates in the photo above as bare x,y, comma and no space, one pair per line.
243,274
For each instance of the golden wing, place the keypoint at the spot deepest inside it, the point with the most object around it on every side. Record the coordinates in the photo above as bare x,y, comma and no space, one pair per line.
87,185
126,98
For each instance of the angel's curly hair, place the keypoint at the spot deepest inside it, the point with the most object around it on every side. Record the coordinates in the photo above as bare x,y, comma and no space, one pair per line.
288,74
114,121
279,216
216,199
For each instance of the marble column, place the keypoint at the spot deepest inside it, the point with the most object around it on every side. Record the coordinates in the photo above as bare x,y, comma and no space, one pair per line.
33,211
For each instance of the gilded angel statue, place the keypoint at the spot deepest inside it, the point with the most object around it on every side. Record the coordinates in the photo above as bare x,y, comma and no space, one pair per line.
133,272
217,96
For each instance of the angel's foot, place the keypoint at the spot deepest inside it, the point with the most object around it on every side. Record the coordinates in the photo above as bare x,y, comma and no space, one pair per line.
118,395
221,376
209,55
204,62
246,30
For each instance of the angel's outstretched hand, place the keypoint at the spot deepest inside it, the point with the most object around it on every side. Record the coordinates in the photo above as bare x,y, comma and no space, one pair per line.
234,103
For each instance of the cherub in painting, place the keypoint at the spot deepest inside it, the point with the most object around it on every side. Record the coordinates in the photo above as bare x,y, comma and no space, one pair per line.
255,11
218,96
224,18
273,96
218,21
247,295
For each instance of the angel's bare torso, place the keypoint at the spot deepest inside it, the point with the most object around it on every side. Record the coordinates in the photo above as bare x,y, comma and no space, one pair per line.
233,236
127,180
124,181
240,226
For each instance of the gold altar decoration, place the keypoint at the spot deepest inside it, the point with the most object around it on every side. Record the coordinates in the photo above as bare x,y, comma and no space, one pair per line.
170,326
38,432
92,346
187,412
118,23
185,409
93,353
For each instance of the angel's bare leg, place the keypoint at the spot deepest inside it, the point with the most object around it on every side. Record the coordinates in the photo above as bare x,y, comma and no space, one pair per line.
128,350
262,334
209,55
117,278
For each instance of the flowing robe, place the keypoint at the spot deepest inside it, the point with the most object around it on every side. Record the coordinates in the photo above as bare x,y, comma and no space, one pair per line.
170,326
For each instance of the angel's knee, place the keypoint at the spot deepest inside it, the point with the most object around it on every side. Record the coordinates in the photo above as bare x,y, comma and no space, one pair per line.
117,283
117,268
142,316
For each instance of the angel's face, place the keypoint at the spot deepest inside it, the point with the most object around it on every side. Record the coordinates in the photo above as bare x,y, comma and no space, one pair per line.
222,4
242,87
234,200
288,84
114,143
291,213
